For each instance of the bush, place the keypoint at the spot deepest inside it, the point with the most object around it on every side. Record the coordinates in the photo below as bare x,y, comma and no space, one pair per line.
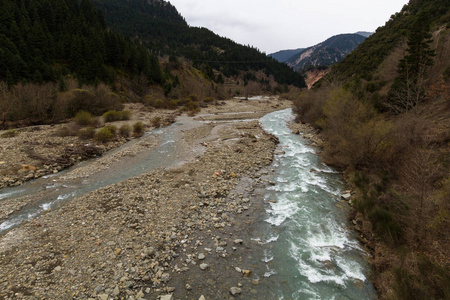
9,133
86,133
159,103
208,100
104,135
125,115
125,130
112,115
83,118
138,129
112,129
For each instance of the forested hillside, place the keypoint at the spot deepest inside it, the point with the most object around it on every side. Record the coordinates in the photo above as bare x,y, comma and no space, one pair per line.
384,113
161,28
42,40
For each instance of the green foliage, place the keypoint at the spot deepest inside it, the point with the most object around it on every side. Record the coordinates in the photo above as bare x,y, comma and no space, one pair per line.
112,129
408,89
164,30
112,116
9,133
138,129
83,118
104,135
41,40
373,51
86,133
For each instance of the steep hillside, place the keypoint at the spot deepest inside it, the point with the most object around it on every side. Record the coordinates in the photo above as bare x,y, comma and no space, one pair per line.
384,113
42,40
158,24
326,53
284,55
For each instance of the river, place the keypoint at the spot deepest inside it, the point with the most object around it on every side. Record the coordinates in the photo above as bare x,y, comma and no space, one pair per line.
310,251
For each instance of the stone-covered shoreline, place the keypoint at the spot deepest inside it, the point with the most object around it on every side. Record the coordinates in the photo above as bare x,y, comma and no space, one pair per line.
179,233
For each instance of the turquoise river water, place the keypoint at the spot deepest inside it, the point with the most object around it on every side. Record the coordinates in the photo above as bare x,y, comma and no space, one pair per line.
309,250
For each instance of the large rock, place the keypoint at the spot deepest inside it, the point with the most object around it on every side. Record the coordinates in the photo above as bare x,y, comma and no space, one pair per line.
346,196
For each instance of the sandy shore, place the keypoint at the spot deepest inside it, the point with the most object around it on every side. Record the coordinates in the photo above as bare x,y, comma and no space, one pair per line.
178,233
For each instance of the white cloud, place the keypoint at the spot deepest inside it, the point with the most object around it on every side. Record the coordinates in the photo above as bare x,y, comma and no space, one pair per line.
286,24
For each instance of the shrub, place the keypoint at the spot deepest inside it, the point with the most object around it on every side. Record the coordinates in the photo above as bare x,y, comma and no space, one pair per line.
112,115
138,129
125,115
9,133
156,122
208,100
104,135
125,130
83,118
86,133
112,129
159,103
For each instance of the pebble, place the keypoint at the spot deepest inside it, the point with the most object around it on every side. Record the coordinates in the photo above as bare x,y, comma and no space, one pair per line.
235,291
204,266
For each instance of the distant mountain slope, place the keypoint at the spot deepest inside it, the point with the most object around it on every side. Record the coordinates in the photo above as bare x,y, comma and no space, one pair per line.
163,30
326,53
284,55
364,33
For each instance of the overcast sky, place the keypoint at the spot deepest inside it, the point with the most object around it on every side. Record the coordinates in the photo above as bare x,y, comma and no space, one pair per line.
286,24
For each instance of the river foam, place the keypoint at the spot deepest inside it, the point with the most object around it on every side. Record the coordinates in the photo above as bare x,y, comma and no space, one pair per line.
315,255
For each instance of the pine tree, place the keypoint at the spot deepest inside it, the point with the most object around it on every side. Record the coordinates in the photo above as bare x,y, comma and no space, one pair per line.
408,88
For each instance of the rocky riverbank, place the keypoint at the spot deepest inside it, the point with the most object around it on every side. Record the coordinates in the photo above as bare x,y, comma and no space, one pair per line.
179,233
36,151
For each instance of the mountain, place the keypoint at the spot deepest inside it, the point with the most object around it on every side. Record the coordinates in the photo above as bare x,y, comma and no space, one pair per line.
364,33
163,30
326,53
284,55
384,115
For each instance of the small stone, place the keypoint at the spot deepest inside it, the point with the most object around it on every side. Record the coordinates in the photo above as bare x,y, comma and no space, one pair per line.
166,297
103,297
140,294
57,269
201,256
118,251
238,241
188,287
202,298
255,281
116,291
238,270
235,291
98,289
247,273
204,266
165,277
